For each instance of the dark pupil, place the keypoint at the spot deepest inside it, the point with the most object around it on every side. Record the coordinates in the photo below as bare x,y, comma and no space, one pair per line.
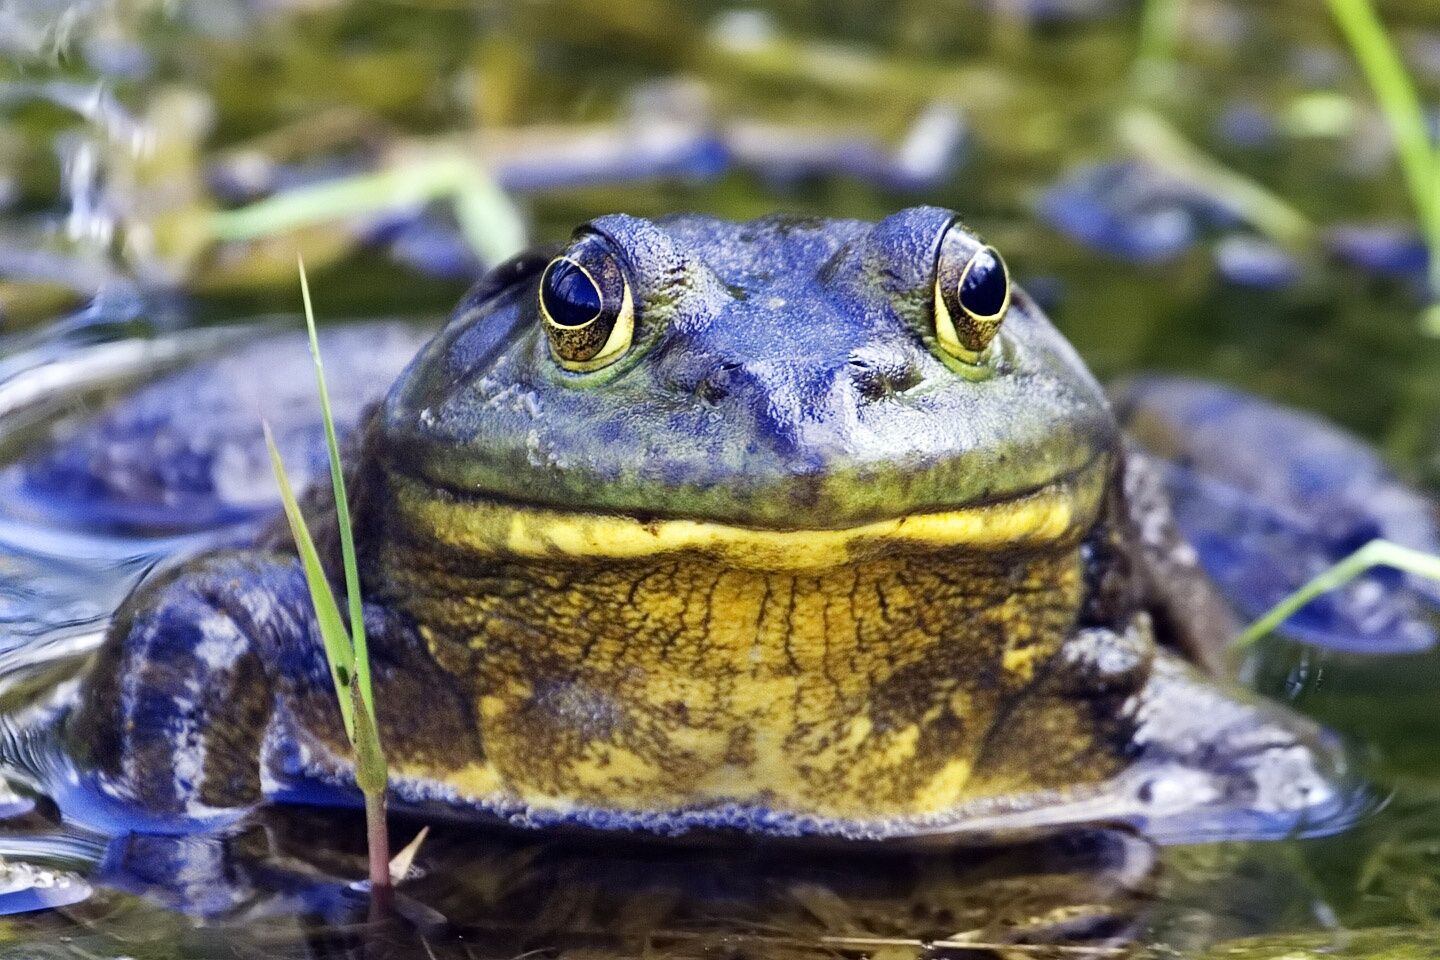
571,297
982,292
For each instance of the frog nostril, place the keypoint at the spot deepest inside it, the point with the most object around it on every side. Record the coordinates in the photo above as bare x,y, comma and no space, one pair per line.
715,386
875,381
711,390
907,378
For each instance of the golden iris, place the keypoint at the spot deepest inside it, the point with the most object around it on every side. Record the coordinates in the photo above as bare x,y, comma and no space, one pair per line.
586,306
972,295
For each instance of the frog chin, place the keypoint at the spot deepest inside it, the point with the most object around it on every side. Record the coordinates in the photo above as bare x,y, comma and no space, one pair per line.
1058,512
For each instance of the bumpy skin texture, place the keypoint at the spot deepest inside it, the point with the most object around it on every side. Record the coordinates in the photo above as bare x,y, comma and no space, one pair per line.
783,567
784,374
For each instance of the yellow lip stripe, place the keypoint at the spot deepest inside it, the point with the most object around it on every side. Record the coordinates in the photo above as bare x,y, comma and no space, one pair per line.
1057,512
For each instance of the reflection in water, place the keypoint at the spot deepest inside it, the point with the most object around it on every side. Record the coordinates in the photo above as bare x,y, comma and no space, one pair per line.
515,893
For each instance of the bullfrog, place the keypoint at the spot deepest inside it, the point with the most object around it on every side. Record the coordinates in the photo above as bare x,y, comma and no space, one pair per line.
796,527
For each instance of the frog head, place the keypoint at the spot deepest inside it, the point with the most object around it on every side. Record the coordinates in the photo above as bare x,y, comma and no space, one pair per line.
786,387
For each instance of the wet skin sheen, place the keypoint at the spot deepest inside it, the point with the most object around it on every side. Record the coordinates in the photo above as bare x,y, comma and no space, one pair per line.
792,526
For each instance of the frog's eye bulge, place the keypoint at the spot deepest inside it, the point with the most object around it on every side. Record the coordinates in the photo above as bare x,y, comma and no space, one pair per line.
972,293
586,306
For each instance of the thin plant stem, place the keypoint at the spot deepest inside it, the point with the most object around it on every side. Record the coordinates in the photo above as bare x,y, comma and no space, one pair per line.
1404,113
358,640
346,650
370,774
377,836
370,769
1376,553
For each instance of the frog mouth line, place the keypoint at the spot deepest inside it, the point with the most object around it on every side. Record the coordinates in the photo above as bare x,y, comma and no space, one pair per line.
1057,512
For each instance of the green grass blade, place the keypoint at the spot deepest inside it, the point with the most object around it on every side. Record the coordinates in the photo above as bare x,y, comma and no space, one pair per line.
360,644
338,650
1400,103
1395,93
1376,553
370,773
488,218
348,654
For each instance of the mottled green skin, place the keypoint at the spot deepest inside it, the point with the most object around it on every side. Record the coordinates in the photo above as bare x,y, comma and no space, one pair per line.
784,374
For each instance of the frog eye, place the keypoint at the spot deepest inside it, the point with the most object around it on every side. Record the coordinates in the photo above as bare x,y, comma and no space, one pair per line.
972,293
586,307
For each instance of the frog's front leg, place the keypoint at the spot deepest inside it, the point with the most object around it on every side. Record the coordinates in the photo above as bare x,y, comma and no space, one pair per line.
173,716
212,694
